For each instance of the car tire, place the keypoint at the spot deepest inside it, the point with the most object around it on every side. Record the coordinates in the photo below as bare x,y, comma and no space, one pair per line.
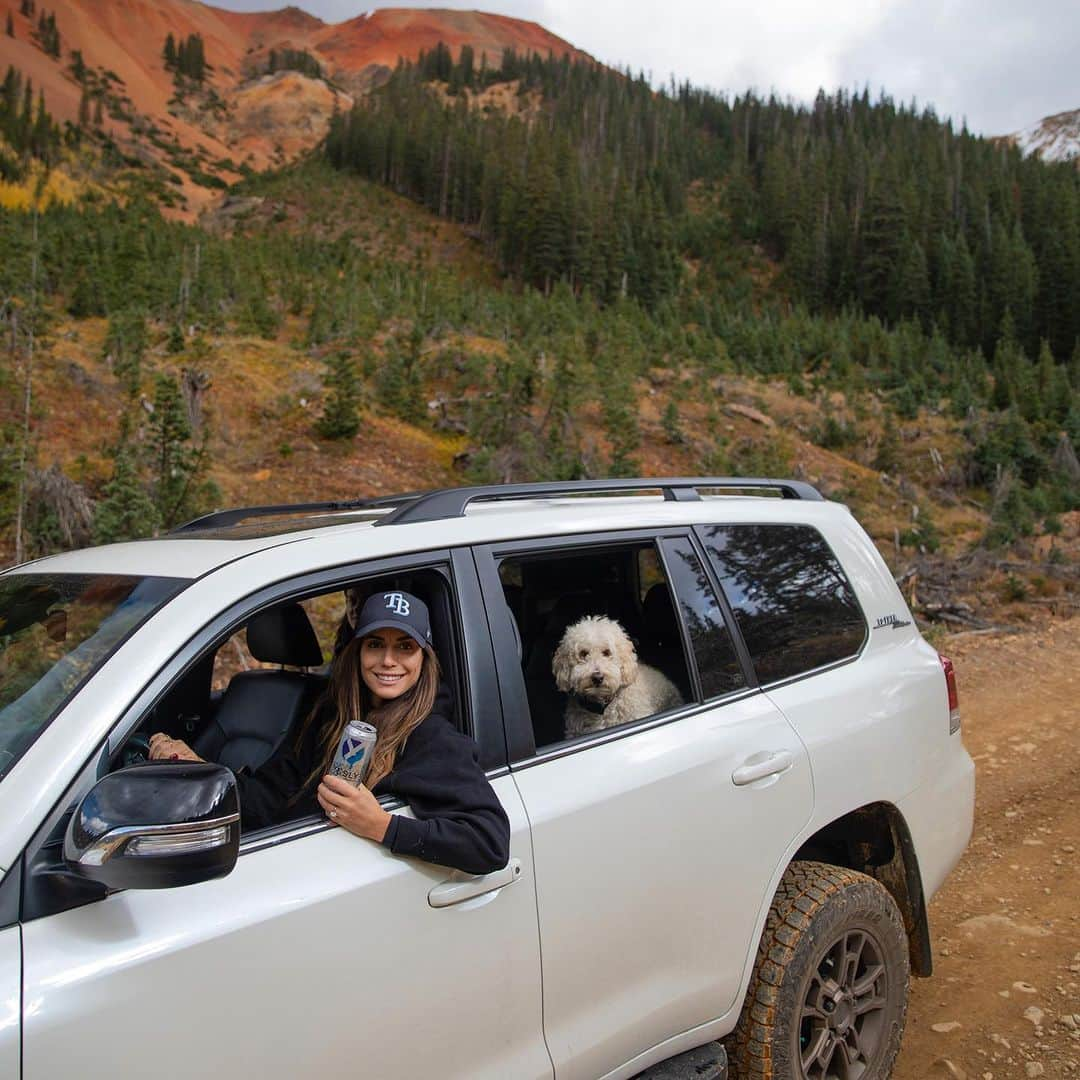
828,996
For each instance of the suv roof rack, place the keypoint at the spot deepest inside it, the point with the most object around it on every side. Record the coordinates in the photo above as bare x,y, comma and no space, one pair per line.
418,506
222,519
453,502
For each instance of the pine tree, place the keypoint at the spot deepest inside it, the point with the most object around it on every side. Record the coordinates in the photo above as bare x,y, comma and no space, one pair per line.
169,53
10,26
127,511
621,426
175,342
125,343
889,450
882,243
174,464
340,418
961,399
670,423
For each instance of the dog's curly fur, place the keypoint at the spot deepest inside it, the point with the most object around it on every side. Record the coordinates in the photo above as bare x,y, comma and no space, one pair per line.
596,661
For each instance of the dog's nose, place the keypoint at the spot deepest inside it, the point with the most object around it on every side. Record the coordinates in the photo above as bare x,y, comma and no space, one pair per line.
597,678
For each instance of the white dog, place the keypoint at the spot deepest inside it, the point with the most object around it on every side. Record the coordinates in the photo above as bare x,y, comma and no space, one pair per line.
595,663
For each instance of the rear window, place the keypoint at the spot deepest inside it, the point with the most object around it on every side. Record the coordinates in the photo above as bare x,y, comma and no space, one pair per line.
55,631
793,603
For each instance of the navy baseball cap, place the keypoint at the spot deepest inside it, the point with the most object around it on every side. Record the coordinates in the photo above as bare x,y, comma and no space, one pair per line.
398,609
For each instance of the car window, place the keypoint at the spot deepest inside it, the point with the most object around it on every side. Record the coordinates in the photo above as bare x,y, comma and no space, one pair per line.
600,640
718,665
245,696
793,603
55,631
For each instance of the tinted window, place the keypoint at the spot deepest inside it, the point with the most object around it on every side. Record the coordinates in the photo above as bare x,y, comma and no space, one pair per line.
718,665
794,606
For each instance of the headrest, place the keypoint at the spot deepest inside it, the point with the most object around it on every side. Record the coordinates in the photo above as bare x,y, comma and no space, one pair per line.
660,622
283,635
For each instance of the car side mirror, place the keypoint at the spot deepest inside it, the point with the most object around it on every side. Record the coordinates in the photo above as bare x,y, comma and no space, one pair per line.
156,826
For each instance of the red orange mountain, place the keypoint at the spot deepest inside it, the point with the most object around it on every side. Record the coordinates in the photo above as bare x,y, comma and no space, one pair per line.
243,116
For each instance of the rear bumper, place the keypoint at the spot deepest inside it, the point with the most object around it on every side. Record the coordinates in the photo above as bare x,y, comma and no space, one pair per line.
940,814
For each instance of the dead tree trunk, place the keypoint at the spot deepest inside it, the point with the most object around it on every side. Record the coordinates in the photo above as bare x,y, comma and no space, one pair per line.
28,393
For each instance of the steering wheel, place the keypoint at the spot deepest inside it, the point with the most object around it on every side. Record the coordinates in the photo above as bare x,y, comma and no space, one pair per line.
136,750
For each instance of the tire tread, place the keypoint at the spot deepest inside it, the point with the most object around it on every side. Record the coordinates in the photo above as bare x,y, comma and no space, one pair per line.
804,890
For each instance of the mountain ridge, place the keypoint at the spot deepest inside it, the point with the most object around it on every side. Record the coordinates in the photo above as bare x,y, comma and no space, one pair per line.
204,135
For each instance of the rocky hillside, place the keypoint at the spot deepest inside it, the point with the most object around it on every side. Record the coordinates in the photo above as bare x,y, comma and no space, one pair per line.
263,90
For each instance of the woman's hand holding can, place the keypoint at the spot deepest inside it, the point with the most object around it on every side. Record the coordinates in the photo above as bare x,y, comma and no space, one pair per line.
353,808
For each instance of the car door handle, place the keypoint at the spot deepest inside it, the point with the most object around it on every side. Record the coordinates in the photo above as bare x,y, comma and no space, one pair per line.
771,765
454,892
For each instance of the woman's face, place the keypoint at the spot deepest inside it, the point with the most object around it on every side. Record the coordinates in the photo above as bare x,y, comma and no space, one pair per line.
390,663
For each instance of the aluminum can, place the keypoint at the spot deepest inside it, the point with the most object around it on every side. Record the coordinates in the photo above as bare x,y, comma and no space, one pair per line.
354,752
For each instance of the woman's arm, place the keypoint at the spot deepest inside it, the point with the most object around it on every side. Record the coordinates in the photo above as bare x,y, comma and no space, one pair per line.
459,820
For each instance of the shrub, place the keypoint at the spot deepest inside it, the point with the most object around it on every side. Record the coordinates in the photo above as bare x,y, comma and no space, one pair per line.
1014,589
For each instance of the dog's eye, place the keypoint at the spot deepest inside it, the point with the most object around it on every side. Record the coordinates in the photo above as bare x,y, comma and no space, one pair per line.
584,654
607,652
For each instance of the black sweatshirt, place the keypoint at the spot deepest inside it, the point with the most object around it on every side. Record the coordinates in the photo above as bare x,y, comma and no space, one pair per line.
459,820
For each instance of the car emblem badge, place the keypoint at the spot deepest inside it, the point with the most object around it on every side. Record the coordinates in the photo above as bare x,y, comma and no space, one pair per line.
891,620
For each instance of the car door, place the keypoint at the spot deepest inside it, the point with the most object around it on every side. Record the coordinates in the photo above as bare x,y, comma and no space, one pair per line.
654,842
320,954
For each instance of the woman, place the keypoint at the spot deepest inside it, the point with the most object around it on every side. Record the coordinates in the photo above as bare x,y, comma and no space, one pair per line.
388,676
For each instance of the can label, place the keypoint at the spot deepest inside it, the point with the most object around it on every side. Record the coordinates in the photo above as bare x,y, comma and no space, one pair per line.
354,753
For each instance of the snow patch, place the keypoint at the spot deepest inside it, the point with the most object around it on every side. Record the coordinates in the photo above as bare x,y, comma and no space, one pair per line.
1054,138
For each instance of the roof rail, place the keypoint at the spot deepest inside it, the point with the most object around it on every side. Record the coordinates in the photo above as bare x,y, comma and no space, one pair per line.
417,506
453,502
220,519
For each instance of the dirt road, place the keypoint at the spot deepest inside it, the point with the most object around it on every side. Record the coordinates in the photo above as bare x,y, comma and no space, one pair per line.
1004,1000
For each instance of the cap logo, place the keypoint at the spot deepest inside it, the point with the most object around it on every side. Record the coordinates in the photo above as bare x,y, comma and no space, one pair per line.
396,603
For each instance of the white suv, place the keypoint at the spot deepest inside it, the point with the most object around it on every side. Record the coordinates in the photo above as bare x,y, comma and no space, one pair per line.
752,865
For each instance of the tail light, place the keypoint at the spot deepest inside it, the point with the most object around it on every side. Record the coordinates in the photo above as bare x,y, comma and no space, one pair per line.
954,700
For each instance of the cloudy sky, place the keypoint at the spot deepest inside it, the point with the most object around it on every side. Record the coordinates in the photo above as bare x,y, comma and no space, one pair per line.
999,64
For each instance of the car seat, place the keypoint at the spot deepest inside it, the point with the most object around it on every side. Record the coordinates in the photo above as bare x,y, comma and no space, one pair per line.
259,708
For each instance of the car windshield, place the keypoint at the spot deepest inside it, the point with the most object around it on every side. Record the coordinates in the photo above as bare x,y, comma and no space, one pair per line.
56,630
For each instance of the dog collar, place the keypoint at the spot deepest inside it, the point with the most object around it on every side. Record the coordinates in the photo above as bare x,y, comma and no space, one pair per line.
589,705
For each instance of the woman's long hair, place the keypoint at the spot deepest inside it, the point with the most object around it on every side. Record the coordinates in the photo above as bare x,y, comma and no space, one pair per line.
395,721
